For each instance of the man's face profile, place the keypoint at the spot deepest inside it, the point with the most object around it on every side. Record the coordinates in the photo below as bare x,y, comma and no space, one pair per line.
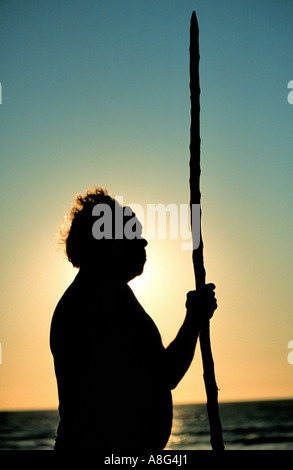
119,234
130,253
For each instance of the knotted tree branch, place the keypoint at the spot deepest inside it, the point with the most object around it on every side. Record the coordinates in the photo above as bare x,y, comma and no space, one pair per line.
197,255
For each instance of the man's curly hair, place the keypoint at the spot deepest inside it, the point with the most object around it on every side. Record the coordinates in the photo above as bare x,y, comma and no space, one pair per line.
76,232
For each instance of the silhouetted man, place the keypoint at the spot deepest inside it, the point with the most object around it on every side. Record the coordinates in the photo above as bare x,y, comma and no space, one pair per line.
113,373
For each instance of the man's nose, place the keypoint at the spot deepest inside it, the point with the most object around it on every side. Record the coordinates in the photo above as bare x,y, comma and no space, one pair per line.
144,242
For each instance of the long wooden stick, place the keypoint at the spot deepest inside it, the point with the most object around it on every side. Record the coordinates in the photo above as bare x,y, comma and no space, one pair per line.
197,255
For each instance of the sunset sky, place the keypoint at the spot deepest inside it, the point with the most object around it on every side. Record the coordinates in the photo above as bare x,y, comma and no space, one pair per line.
97,93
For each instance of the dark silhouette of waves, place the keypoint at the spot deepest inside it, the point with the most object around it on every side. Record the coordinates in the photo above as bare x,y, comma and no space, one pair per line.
259,425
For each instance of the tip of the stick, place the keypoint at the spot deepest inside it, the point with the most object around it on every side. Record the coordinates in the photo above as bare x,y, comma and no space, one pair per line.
194,19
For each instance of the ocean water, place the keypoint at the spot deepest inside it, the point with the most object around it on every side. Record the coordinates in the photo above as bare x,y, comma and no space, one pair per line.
260,425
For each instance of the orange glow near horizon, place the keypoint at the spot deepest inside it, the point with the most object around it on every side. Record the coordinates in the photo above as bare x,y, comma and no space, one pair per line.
27,368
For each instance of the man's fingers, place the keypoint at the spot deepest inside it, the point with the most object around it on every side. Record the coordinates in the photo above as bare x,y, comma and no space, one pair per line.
208,288
203,296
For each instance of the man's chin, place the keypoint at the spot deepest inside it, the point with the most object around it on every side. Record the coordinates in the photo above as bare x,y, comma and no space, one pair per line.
137,272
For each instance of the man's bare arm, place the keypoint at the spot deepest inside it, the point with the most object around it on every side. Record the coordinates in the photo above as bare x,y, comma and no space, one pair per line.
200,306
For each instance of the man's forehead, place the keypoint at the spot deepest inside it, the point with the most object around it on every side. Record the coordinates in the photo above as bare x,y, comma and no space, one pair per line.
128,212
119,224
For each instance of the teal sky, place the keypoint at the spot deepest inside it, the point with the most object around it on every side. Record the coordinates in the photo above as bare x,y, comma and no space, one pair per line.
97,93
